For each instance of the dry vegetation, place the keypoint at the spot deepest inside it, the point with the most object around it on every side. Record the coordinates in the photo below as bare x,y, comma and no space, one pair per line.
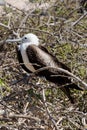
38,104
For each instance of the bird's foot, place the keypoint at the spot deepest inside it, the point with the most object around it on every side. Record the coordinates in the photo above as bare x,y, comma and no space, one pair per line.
25,79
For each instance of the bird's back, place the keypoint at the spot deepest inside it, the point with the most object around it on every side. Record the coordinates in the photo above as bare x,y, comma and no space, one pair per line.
40,57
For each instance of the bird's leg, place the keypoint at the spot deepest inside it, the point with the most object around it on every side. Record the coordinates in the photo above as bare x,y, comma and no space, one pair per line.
25,79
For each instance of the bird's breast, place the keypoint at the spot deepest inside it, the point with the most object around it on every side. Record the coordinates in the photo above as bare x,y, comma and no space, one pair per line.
25,58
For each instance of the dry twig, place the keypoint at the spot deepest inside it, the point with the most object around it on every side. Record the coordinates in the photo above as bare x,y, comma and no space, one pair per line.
76,22
64,71
48,111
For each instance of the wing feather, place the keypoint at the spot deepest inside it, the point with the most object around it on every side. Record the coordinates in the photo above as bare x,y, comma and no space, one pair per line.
40,57
60,64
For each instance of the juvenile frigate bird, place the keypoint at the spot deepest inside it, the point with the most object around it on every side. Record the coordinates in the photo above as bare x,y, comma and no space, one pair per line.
34,56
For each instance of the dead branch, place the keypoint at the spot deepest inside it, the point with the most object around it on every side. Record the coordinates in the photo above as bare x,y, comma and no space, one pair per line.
75,124
48,111
21,116
76,22
61,70
8,107
25,19
9,28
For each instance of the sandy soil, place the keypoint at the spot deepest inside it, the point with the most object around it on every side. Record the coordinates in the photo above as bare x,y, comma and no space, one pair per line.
24,5
20,4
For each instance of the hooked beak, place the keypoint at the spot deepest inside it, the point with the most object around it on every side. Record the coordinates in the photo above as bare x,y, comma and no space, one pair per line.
14,40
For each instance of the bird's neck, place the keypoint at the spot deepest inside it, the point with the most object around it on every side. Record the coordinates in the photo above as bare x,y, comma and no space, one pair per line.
23,46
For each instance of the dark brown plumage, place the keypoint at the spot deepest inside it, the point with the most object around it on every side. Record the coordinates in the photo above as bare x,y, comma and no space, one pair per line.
40,57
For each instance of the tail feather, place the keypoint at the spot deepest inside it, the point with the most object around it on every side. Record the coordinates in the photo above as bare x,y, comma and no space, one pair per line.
66,90
74,86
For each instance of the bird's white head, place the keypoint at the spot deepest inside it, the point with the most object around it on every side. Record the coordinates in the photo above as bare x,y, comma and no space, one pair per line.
30,38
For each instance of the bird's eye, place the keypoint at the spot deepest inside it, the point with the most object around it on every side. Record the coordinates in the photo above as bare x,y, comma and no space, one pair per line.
25,38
